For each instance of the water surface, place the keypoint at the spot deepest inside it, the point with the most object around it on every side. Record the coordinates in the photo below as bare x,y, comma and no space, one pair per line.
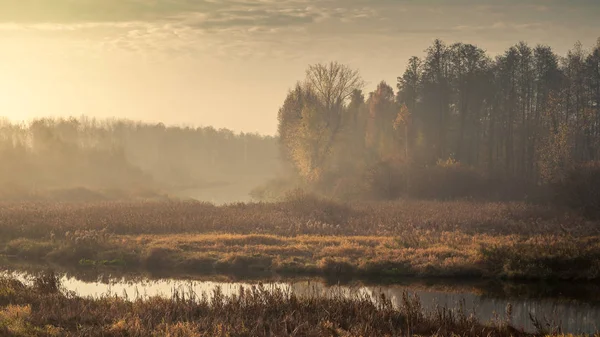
575,308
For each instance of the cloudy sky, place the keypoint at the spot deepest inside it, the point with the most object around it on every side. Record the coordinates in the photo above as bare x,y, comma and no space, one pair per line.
229,63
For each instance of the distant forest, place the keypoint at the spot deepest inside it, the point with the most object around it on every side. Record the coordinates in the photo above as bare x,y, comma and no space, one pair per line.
127,156
460,123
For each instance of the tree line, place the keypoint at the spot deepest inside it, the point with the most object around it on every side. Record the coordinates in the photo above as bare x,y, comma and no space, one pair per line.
528,116
86,152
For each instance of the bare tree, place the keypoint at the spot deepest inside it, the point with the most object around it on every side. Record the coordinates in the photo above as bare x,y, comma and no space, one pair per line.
333,83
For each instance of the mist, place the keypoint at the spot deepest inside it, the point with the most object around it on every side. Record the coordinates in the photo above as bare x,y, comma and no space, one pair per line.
85,158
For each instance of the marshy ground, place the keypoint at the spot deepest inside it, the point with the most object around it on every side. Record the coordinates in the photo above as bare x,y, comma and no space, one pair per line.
44,308
460,240
309,236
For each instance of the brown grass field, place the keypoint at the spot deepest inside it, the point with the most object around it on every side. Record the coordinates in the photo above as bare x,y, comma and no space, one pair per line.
309,236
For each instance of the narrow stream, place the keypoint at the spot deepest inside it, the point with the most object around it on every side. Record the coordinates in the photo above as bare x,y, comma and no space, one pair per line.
575,310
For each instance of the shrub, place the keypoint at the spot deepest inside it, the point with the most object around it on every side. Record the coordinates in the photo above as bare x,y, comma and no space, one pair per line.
338,267
445,180
386,180
580,189
87,237
47,283
309,206
448,180
158,257
29,249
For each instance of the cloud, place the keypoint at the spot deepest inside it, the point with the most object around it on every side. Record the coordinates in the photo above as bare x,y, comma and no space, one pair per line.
280,27
77,11
238,18
176,27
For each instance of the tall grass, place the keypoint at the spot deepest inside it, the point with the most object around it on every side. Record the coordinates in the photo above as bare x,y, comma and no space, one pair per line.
42,310
310,236
305,215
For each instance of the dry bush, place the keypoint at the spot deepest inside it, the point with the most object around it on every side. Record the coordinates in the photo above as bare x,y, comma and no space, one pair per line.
580,189
447,180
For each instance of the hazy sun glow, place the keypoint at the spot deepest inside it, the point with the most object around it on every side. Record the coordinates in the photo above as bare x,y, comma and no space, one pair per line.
230,63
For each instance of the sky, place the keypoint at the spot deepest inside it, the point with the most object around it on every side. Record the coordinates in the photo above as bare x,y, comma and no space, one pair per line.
230,63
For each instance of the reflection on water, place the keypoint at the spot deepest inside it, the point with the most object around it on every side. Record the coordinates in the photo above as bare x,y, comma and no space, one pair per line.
574,315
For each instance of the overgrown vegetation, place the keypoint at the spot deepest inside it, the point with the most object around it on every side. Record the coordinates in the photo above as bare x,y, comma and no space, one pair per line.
309,235
44,309
580,189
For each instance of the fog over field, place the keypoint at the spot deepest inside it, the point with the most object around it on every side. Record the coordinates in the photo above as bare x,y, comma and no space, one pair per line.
85,158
